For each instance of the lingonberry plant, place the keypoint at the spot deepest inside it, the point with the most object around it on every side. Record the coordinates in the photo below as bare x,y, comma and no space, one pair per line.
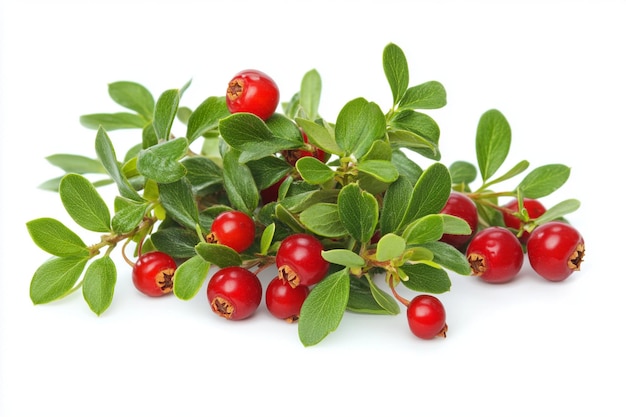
349,209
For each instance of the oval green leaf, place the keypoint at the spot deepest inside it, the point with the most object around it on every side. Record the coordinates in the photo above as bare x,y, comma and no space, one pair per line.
55,238
99,284
84,204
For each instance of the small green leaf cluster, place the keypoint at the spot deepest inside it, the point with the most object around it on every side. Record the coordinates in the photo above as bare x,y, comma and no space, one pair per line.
374,208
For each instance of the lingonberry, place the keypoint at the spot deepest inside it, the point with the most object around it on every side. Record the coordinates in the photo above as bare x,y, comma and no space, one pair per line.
284,301
555,250
292,155
252,91
153,272
495,255
299,260
234,293
234,229
511,215
270,194
460,205
427,317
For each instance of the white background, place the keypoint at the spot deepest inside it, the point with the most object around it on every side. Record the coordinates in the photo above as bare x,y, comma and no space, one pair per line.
530,348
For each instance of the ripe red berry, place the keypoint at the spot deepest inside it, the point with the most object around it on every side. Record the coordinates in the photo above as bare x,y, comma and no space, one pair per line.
495,255
252,91
234,293
427,317
234,229
292,155
270,194
510,215
153,273
299,260
555,250
460,205
284,301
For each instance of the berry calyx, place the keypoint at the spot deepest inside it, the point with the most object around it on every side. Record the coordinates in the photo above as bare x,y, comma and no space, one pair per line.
495,255
234,229
299,260
153,272
427,317
292,155
555,250
461,206
511,215
284,301
234,293
252,91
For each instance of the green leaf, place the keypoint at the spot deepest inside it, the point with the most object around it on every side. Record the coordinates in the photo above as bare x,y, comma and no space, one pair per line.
543,181
415,142
250,135
406,167
359,124
76,164
448,257
133,96
323,220
189,277
320,135
389,247
493,141
99,284
383,299
239,184
396,70
384,171
314,171
395,203
113,121
516,170
165,113
84,204
344,257
425,229
55,238
429,95
462,172
324,307
178,242
361,299
217,254
55,278
268,171
161,162
425,278
206,117
419,123
358,212
266,238
430,193
129,216
106,154
453,225
179,202
310,92
561,209
202,172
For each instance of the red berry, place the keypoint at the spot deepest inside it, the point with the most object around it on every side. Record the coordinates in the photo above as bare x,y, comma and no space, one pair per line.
153,273
270,194
292,155
461,206
252,91
555,250
234,229
511,218
234,293
495,255
284,301
299,260
427,317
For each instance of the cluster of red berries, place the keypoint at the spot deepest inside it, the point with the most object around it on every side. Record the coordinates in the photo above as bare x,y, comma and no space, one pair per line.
496,254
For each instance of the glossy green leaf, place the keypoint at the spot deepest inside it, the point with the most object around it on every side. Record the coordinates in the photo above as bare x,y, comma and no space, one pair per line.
516,170
239,184
320,135
189,277
419,123
310,93
344,257
396,70
358,212
55,238
55,278
76,164
544,180
390,246
448,257
113,121
206,117
266,238
425,229
84,204
429,95
202,172
179,202
161,162
384,171
324,307
559,210
106,154
314,171
383,299
361,299
462,172
395,203
493,141
268,171
217,254
425,278
406,166
430,193
133,96
128,216
415,142
99,284
455,225
359,124
323,220
165,113
177,241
